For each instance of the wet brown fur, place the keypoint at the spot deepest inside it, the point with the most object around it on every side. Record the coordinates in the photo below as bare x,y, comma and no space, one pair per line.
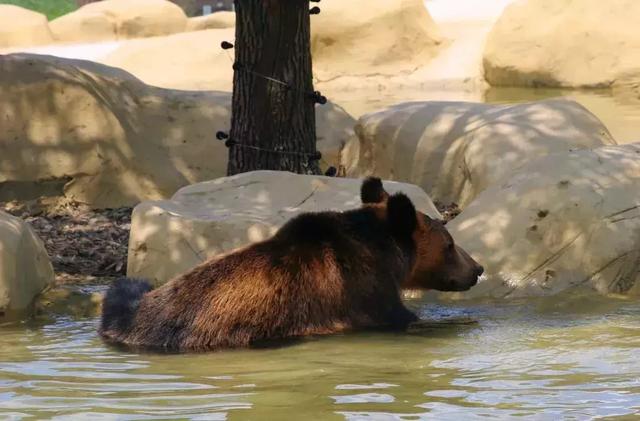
322,273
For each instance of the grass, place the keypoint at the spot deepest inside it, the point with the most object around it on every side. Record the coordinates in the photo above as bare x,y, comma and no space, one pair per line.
51,8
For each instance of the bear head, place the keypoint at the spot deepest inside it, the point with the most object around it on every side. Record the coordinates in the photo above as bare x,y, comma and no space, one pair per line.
439,264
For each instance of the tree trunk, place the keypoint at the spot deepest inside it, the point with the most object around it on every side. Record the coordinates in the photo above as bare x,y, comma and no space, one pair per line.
273,123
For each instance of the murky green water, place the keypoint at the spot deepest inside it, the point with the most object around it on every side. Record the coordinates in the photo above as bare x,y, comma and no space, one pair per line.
553,358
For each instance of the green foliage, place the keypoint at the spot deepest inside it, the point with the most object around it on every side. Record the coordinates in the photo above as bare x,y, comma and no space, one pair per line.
51,8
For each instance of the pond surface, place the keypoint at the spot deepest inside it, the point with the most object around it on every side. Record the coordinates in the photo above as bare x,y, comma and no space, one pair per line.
545,359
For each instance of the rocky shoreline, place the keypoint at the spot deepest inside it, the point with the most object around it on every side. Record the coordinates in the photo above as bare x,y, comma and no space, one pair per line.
88,249
87,244
80,241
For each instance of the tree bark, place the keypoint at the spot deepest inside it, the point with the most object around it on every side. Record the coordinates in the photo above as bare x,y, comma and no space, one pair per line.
273,124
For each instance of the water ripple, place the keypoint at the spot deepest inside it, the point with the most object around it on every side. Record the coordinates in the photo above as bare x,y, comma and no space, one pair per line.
519,361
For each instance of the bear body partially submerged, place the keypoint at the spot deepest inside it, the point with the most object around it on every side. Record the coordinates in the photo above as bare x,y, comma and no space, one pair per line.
322,273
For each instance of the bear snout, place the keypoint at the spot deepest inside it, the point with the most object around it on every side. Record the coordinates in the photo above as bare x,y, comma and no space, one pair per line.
465,286
467,283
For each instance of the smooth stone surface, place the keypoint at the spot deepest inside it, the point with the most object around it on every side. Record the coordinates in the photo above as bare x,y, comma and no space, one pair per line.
98,135
564,43
568,220
25,268
169,237
455,150
21,27
218,20
109,20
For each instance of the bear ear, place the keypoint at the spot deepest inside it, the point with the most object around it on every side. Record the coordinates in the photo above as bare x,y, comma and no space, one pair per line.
372,191
401,215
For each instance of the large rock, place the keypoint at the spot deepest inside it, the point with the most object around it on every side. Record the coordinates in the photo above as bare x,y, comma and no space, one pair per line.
169,237
218,20
565,221
192,60
21,27
585,43
83,26
364,37
100,136
455,150
120,19
190,7
25,268
378,39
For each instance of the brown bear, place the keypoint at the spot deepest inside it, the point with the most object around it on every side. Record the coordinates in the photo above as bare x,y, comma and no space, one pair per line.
321,273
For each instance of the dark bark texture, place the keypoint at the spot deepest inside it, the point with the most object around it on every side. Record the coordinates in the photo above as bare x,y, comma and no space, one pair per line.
272,40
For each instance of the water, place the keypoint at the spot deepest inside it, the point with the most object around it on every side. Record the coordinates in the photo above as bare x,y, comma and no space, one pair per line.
563,357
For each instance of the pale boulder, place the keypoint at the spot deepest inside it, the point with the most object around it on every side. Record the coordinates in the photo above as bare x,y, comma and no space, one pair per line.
218,20
109,139
569,220
25,269
455,150
83,26
190,7
100,136
141,18
382,40
365,37
568,43
190,61
20,27
120,19
171,236
334,130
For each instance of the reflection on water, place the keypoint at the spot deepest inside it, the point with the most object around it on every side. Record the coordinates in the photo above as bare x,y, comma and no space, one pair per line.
552,358
620,114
